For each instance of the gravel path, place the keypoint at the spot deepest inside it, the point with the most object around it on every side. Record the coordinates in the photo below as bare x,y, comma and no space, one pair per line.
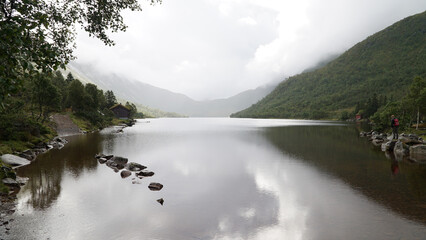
64,125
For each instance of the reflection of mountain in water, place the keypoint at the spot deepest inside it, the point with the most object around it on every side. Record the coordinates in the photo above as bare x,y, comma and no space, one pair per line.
46,172
338,151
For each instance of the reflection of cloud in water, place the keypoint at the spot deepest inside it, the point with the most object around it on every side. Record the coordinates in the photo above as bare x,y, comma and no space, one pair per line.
217,185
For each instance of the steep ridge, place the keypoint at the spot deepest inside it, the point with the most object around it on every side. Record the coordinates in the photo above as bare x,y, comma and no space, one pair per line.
384,63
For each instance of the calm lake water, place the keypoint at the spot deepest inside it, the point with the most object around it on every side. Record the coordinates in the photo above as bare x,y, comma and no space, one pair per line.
223,179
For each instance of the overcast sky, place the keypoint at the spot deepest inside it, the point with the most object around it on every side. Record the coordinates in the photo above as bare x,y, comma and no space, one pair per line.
217,48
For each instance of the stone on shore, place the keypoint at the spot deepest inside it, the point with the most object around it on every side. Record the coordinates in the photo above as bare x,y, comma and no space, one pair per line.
388,146
14,160
401,150
155,186
28,154
11,182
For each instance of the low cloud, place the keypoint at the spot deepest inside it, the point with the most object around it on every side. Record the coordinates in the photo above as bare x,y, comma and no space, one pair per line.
217,48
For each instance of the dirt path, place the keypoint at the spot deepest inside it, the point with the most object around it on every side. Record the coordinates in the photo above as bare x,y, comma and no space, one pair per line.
64,125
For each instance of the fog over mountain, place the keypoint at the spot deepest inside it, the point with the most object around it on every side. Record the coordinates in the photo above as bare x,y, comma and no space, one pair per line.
209,49
165,100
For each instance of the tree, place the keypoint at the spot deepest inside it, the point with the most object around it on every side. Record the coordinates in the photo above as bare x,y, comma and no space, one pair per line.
92,92
132,108
110,99
38,36
70,78
76,95
416,98
46,96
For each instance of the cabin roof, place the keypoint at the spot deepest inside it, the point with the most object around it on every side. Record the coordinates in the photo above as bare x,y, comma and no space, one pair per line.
119,105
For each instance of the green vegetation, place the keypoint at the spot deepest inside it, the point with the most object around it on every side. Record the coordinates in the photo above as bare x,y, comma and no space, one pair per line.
36,38
409,110
375,74
24,118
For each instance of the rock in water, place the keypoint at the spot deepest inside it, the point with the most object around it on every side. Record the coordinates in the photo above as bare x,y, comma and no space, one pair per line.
14,161
125,173
102,160
418,153
155,186
161,201
135,167
11,182
119,160
145,174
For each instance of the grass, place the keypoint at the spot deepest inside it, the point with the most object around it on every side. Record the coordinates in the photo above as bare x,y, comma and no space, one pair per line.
5,172
83,124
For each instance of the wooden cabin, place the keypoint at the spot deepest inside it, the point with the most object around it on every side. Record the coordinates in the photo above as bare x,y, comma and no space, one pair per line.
120,111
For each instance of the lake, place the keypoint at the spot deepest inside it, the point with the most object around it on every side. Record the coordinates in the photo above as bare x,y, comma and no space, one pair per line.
223,179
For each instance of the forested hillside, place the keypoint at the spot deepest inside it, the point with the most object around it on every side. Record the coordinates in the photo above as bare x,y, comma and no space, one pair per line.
381,68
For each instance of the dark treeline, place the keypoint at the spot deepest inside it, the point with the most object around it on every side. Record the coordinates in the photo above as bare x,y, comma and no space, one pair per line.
24,116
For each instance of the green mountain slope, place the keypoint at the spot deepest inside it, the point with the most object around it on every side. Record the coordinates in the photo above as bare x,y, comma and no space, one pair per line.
384,63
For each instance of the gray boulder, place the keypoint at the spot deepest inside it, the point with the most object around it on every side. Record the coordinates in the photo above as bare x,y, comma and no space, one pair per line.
102,160
418,153
135,167
125,174
377,142
22,180
155,186
14,160
145,174
11,182
28,154
401,150
119,160
388,146
410,140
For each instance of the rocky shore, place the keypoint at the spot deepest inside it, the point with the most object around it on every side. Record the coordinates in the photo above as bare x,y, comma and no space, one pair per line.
14,182
409,146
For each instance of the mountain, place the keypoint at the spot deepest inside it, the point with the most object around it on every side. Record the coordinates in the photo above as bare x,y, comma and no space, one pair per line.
383,64
147,111
154,97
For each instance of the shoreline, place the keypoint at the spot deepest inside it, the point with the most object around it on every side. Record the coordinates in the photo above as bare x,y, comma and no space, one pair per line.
26,157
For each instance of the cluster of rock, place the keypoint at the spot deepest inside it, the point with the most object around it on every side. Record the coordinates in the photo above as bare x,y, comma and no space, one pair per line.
407,145
126,169
42,147
20,159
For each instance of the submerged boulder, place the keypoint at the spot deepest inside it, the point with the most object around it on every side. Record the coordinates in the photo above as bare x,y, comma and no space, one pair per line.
418,153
